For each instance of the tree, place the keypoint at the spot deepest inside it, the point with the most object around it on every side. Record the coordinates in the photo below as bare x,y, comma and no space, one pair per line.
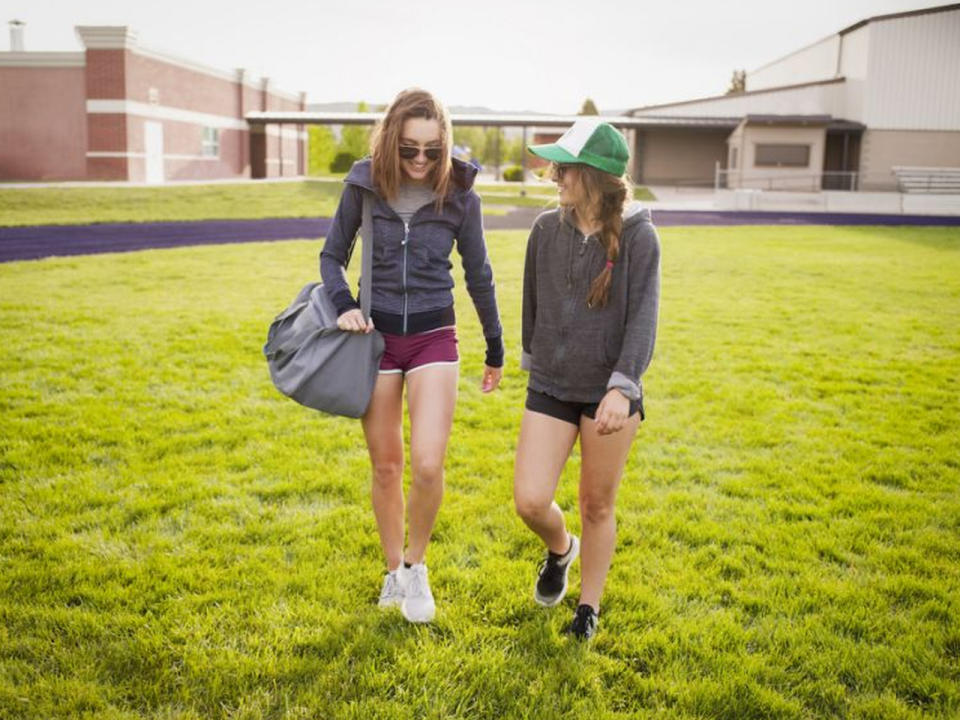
486,153
738,82
322,146
588,108
472,137
355,139
513,150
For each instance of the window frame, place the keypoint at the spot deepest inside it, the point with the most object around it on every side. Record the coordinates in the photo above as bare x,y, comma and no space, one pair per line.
210,142
781,163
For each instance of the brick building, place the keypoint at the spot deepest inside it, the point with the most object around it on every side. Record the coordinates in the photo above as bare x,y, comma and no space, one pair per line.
120,111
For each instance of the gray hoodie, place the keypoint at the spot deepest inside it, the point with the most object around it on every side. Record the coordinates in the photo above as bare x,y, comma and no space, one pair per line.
577,353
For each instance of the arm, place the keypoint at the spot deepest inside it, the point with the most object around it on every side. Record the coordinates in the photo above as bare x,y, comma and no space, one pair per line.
643,300
479,276
337,248
529,300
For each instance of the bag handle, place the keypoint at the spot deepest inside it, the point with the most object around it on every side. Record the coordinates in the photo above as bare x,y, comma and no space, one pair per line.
366,265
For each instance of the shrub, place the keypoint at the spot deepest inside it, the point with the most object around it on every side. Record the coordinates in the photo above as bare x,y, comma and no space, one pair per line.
342,162
322,148
513,173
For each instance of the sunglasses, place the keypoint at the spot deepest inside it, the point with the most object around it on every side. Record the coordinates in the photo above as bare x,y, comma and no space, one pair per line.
409,152
559,170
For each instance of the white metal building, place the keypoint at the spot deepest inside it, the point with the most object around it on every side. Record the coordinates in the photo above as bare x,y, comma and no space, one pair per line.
843,112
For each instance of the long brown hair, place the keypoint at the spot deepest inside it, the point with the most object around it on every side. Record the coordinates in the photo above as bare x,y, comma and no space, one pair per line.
385,143
603,199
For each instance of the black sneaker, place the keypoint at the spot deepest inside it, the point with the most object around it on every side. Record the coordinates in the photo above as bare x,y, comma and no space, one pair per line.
552,580
584,624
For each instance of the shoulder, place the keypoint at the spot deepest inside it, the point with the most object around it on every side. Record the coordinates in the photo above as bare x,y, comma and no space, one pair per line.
548,220
463,175
361,174
639,234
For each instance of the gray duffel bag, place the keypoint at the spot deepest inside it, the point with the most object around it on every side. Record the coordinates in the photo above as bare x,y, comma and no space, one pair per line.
314,362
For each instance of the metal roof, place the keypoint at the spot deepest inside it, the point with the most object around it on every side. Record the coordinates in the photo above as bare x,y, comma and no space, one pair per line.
831,122
770,119
734,96
893,16
491,120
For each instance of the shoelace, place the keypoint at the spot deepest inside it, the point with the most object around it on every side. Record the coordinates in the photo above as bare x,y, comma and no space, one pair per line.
584,614
392,586
417,584
551,561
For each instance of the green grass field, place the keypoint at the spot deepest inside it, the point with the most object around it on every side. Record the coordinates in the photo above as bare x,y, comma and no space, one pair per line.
178,541
310,198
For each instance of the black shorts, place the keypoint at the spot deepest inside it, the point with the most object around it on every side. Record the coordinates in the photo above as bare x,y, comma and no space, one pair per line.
569,411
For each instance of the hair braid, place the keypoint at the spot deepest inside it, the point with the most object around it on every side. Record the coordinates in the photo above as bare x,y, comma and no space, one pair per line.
608,194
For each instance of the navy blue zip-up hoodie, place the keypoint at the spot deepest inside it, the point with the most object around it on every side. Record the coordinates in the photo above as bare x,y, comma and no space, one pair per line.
412,282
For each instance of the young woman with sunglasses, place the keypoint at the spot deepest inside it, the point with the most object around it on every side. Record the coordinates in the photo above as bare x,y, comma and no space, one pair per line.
423,205
590,299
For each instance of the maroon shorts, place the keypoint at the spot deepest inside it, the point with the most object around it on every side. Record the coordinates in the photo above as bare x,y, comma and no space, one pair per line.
406,353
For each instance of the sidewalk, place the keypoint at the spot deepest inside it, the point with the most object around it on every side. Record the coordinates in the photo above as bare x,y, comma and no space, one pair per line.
668,197
827,201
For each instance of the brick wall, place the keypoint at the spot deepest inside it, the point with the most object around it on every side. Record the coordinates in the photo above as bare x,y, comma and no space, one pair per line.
43,131
88,118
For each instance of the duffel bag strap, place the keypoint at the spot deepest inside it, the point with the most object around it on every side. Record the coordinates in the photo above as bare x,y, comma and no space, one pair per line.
366,265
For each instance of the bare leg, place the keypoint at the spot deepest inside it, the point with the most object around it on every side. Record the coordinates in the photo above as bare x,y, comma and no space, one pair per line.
431,399
383,428
603,460
542,450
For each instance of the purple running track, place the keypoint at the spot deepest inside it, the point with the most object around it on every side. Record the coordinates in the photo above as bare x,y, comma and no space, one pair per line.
39,241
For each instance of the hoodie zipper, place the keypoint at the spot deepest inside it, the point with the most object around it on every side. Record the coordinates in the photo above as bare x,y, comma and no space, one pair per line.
406,238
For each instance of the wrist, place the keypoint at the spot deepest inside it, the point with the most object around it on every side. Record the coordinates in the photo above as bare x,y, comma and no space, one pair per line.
343,301
495,352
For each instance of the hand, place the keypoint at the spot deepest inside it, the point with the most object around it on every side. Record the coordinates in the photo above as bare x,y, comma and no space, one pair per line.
352,321
491,378
612,412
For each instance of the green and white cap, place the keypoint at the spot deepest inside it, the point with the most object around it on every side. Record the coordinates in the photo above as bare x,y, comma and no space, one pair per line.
589,142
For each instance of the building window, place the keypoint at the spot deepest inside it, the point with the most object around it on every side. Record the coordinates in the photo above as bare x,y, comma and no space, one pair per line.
782,156
210,145
733,158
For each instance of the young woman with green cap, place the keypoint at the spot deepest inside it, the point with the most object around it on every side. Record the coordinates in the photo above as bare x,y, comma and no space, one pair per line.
590,300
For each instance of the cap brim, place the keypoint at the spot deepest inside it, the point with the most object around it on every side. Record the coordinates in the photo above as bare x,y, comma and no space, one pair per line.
553,153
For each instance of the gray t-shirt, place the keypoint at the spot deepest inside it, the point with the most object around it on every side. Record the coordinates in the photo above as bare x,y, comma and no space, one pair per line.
410,198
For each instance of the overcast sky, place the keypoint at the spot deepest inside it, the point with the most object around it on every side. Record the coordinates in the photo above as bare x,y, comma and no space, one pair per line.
508,55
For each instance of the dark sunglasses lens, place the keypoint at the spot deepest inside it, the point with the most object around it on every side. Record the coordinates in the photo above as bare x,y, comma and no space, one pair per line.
409,153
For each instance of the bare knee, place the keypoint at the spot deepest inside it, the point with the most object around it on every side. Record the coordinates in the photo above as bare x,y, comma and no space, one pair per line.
387,473
530,506
428,471
596,510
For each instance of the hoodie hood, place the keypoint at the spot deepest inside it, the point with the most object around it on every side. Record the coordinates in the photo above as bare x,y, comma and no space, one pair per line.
463,175
634,213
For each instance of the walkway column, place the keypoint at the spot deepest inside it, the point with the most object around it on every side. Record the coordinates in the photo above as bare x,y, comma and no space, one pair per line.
258,151
523,159
242,143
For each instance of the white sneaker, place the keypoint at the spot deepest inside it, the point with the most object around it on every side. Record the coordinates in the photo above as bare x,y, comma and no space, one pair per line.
417,605
391,594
